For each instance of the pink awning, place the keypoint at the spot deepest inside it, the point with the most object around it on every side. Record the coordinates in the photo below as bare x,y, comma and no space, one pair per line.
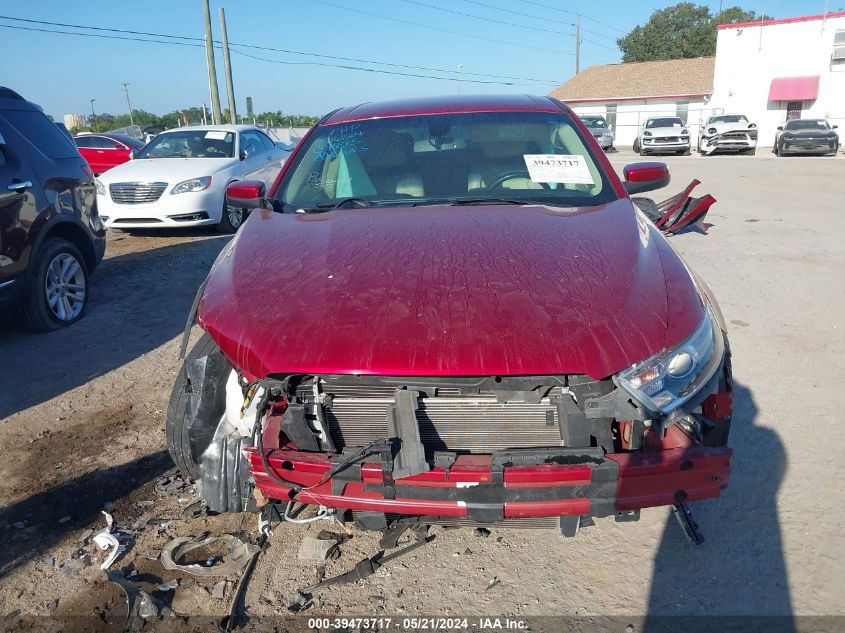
794,88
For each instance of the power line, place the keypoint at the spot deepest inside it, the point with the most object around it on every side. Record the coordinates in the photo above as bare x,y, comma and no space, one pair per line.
344,67
436,28
536,17
586,17
267,48
478,17
374,70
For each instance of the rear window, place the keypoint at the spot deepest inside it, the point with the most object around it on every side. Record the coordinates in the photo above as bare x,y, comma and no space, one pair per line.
41,132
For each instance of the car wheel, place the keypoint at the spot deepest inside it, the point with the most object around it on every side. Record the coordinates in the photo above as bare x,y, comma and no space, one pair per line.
231,219
637,145
750,151
180,417
834,151
685,152
776,150
57,289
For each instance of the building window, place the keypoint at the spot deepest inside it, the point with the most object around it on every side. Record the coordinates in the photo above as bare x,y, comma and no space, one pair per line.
682,111
838,56
610,116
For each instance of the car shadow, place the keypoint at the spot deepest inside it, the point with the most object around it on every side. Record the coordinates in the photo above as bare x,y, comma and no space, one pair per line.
139,301
39,522
740,569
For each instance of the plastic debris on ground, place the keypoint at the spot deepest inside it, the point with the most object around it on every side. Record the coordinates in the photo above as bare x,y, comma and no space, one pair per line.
236,557
219,590
316,549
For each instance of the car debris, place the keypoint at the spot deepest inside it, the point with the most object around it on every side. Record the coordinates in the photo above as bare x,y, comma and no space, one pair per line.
363,569
218,592
678,212
141,522
231,619
104,541
140,605
237,558
170,484
316,549
169,586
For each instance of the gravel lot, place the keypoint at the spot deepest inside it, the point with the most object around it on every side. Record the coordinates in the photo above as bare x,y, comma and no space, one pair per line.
82,415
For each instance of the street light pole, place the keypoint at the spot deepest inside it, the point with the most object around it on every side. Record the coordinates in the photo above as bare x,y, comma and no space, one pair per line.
460,66
128,105
92,112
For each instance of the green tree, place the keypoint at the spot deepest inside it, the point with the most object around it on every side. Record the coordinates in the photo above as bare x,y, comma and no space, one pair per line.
679,32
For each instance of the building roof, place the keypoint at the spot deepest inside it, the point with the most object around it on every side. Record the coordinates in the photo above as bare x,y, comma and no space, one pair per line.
452,104
640,80
801,18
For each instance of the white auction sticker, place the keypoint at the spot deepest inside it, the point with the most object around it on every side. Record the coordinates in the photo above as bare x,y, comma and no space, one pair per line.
569,169
216,135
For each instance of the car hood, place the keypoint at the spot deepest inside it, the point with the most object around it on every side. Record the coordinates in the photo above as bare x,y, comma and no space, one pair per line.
171,170
721,128
665,131
428,291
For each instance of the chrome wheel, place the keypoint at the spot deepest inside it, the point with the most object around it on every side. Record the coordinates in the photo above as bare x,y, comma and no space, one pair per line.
65,287
235,215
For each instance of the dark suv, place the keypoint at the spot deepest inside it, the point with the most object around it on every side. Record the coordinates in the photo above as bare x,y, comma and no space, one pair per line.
51,238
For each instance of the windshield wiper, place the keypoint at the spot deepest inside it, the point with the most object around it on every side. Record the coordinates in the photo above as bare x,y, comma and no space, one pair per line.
472,201
321,208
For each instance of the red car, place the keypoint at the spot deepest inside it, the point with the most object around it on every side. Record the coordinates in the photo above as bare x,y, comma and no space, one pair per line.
450,309
104,151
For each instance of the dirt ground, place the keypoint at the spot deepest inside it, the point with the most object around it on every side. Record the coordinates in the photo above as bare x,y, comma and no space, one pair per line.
82,416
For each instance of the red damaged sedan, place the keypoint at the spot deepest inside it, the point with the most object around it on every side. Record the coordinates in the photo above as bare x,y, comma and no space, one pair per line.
449,309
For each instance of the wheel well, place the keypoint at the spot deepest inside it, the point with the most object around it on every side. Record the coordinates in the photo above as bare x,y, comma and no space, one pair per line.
77,236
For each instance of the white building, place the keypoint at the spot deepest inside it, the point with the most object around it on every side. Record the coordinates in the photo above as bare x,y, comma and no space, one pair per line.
776,70
73,121
628,94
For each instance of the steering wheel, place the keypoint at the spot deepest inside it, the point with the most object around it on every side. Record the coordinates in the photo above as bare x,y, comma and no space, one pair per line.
511,175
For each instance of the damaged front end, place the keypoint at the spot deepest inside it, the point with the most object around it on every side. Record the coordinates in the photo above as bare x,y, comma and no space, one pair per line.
521,450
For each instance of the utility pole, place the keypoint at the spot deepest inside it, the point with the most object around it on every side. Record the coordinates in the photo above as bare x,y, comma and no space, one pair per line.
227,69
216,115
128,105
577,44
93,116
460,67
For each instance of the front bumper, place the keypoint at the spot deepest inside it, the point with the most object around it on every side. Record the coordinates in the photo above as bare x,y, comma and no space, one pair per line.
659,145
727,142
491,488
808,146
169,211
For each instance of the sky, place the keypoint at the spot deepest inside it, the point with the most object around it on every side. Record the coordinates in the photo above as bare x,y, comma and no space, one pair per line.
527,44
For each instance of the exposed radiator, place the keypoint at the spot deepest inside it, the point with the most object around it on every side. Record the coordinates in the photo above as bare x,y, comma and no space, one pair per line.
475,423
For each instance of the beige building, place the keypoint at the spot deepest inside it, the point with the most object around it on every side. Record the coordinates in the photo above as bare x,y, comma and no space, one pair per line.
629,93
73,121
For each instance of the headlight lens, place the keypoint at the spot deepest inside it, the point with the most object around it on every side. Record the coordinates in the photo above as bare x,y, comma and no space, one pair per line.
685,132
668,379
646,133
101,188
711,130
194,184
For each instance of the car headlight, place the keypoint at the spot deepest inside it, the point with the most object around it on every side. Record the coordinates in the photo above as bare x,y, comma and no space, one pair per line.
194,184
646,133
101,188
670,378
685,132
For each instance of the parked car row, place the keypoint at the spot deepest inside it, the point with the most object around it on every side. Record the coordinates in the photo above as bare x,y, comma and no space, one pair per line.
59,193
733,133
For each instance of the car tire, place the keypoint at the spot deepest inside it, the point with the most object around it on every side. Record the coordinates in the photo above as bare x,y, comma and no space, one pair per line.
58,276
178,421
776,150
834,151
685,152
231,218
637,146
750,152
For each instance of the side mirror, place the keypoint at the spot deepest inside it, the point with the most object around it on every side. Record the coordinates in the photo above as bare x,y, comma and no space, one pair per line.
247,151
246,194
133,153
835,127
780,127
641,177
